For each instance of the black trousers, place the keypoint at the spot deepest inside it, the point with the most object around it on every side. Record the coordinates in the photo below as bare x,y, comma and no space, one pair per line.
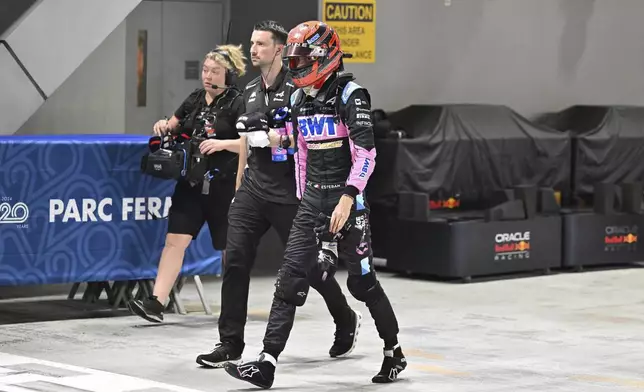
249,219
300,258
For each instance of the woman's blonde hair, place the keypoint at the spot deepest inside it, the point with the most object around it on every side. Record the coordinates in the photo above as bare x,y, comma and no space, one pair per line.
235,54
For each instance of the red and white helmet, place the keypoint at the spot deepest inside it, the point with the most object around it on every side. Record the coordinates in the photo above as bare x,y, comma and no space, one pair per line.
313,53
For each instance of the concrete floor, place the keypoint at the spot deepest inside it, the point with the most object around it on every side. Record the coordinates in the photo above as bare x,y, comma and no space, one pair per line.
563,332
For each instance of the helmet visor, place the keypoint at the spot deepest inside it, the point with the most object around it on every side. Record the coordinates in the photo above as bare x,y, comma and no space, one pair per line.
299,50
295,63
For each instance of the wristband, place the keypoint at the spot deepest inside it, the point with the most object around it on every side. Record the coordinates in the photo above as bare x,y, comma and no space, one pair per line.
351,191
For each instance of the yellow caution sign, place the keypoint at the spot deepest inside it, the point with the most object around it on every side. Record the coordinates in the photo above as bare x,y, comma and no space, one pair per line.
355,22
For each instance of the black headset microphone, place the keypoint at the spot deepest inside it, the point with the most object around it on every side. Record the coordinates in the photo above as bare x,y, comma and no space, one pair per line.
223,87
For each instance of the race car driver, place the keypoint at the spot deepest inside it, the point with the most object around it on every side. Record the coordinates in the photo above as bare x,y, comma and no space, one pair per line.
334,160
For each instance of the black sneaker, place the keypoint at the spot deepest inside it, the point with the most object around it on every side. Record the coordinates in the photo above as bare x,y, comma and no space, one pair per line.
346,336
150,309
392,365
222,354
260,373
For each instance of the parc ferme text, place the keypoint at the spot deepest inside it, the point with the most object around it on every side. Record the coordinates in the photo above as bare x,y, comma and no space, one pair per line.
104,210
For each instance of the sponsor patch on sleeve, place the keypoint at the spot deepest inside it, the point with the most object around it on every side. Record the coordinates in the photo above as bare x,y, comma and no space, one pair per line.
348,90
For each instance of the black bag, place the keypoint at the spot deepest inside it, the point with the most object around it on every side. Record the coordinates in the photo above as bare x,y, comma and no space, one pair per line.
167,164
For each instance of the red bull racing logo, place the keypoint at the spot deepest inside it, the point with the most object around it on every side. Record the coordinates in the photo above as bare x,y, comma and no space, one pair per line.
449,204
620,238
512,246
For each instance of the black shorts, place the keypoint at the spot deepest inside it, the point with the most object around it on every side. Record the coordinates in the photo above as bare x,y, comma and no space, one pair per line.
191,209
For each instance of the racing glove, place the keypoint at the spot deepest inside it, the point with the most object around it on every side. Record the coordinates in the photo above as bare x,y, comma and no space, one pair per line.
328,245
255,127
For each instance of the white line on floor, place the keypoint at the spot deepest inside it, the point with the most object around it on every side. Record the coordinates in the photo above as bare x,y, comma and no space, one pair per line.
16,370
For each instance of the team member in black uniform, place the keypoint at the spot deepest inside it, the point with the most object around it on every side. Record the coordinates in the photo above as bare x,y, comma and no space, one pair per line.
266,197
335,157
209,113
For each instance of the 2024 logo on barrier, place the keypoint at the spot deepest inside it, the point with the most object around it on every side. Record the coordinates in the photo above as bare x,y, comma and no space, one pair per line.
13,213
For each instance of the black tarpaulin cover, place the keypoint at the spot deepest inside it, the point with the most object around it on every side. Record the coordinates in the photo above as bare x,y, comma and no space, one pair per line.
609,144
468,150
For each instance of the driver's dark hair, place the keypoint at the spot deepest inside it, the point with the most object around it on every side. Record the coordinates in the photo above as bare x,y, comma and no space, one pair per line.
277,30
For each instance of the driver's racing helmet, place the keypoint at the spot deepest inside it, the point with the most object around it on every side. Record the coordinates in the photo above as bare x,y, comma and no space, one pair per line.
312,53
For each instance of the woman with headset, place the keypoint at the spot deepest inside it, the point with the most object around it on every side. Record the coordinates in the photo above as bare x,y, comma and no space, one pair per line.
210,113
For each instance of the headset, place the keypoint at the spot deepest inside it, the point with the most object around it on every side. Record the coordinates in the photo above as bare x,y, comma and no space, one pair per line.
232,75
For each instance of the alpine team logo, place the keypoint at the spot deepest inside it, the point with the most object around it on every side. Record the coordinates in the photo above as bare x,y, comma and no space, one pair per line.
13,214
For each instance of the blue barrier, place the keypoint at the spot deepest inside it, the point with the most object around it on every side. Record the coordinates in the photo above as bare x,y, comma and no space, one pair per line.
77,209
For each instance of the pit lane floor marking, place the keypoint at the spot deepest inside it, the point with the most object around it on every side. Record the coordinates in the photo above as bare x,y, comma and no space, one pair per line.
20,374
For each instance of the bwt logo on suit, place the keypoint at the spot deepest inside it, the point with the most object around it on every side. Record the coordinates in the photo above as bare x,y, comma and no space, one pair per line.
103,210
